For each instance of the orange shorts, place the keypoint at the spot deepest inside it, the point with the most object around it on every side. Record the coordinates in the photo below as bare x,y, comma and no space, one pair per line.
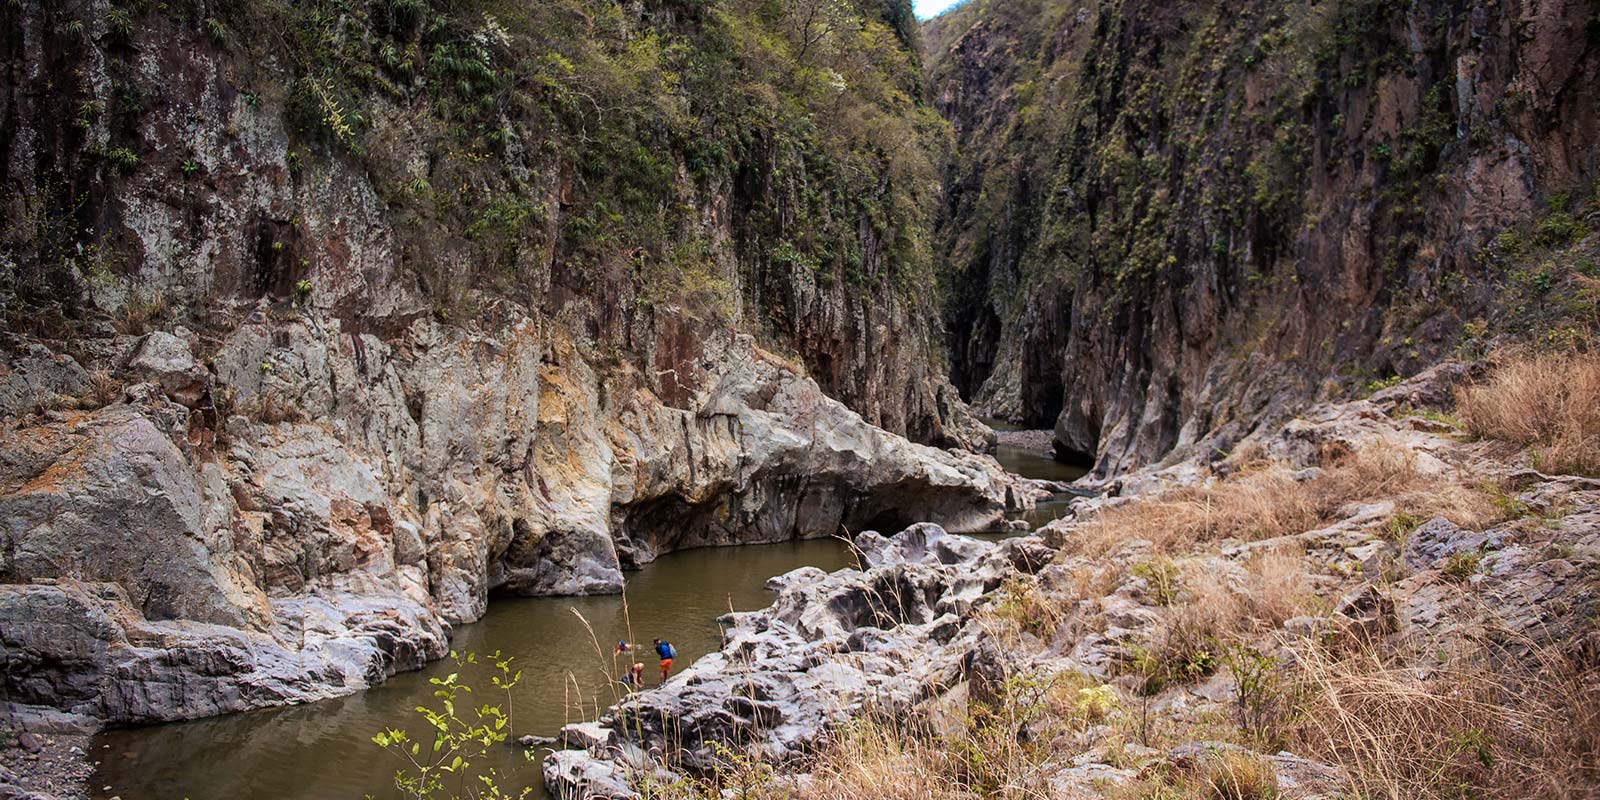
666,664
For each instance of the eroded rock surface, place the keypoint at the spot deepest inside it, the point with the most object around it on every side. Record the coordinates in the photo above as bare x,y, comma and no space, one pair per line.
294,511
831,646
932,623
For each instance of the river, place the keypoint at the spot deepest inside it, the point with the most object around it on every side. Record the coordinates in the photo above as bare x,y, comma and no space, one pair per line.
322,751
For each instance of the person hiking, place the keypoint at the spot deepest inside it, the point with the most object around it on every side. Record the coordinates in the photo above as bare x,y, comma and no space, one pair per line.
666,652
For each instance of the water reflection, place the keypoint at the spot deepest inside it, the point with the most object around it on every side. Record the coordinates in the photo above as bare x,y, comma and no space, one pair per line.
322,751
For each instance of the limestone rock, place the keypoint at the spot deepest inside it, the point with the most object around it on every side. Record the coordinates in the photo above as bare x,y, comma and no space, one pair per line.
85,648
167,360
576,775
892,635
1438,539
34,375
120,503
365,494
585,736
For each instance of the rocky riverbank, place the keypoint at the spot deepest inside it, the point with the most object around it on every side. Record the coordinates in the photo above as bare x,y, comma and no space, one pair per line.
44,766
291,511
900,630
1211,623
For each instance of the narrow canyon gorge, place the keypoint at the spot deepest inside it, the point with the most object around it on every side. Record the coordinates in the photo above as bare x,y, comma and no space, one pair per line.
1240,337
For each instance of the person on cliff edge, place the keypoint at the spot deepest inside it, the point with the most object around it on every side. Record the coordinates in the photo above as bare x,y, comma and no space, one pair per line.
666,652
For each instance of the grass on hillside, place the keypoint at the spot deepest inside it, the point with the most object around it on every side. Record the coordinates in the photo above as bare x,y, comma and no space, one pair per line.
1442,720
1549,402
1268,500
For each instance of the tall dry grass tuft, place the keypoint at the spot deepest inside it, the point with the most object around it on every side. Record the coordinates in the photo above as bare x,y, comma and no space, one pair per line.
1265,501
1234,775
1251,505
1474,727
875,758
1278,588
1548,401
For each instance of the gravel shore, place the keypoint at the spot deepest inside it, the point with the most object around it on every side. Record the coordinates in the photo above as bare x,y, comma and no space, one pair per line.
36,766
1040,442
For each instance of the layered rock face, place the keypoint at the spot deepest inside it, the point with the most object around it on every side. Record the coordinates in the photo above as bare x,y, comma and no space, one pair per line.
323,323
381,166
1182,220
352,498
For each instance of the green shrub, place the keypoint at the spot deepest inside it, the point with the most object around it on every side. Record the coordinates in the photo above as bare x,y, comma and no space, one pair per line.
123,159
1461,566
1399,527
1161,575
455,741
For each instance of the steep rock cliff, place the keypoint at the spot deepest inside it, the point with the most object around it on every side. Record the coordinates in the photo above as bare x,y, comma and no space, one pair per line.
156,566
1187,220
760,167
326,320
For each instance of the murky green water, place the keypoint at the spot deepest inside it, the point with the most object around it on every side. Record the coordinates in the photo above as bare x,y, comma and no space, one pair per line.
323,751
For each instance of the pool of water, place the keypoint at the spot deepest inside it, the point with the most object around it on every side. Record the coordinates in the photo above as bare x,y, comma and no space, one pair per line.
1031,464
322,751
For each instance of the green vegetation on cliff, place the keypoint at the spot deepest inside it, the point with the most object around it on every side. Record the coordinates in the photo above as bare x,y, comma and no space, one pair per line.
586,133
1151,196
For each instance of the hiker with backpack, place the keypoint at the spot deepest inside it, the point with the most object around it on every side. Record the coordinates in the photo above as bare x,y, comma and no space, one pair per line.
666,652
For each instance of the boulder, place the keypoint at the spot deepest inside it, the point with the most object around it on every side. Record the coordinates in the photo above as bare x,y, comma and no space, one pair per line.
33,375
1368,611
1439,538
121,503
167,361
85,648
1536,589
577,775
585,736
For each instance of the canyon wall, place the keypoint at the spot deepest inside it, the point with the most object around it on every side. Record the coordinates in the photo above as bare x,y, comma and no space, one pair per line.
325,321
1169,224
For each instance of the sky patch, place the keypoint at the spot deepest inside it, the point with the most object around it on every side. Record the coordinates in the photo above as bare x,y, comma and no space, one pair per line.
927,9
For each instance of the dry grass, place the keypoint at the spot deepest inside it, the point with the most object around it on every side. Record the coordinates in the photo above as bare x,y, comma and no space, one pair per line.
1233,775
1186,644
1021,603
1279,588
142,312
1253,505
1475,727
873,759
1265,501
1006,747
1547,401
1224,775
103,389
